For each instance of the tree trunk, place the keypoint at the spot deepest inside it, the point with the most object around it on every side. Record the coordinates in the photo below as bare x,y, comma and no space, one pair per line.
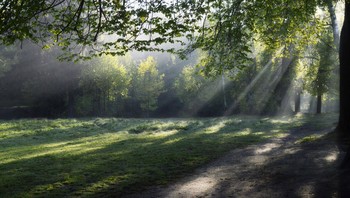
335,26
224,92
343,127
297,101
70,103
336,34
104,103
312,105
319,103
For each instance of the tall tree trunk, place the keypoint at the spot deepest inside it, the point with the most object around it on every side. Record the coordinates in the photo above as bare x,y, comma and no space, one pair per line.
335,26
70,103
343,128
104,103
297,100
224,91
319,103
336,32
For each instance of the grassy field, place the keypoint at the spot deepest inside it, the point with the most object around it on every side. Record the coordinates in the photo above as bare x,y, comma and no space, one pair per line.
111,157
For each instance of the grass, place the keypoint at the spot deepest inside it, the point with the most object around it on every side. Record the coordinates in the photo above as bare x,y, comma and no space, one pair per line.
105,157
310,138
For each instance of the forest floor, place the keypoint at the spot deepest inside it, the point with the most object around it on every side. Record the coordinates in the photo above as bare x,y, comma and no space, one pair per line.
302,164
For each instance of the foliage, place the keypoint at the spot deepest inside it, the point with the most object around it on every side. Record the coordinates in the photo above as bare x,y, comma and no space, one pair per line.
106,157
233,26
7,58
322,68
189,83
103,81
74,25
193,89
238,39
149,84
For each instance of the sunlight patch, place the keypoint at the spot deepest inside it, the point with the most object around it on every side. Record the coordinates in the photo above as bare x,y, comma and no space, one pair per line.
275,131
306,190
259,133
71,150
198,186
44,188
281,135
266,148
82,145
215,128
246,131
160,134
291,151
280,121
172,141
331,157
105,184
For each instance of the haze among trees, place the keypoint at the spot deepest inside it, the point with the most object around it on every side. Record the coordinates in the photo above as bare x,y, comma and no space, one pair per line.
175,59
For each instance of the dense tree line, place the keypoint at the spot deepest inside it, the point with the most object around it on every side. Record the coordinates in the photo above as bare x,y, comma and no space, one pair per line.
35,84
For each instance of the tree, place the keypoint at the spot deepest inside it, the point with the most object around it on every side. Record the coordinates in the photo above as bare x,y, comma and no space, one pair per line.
343,127
320,71
104,82
149,85
8,56
78,25
37,83
192,88
80,22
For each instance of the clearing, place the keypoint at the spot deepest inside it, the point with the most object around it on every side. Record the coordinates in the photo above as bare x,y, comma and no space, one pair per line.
108,157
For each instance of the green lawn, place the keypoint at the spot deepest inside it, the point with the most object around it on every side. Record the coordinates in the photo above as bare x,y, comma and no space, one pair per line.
109,156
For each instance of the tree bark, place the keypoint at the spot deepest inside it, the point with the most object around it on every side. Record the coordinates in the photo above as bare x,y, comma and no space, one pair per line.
319,103
297,101
335,26
224,91
344,59
336,32
343,128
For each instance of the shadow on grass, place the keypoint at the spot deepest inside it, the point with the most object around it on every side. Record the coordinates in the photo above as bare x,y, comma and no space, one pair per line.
120,165
304,170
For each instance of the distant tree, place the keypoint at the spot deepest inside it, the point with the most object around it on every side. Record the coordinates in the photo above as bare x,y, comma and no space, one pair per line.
192,88
320,71
149,84
8,57
104,82
36,80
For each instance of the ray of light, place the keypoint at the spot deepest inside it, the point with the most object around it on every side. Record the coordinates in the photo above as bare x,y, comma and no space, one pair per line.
211,91
271,79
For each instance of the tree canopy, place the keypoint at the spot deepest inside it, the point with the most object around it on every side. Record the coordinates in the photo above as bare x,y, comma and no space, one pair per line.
85,27
225,28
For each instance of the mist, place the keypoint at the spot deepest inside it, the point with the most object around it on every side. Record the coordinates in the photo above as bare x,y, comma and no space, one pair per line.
34,83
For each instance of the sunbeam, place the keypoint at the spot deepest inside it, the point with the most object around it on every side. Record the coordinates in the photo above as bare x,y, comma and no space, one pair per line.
210,91
264,83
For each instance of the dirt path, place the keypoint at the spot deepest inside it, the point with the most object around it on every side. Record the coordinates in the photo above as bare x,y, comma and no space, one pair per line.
277,168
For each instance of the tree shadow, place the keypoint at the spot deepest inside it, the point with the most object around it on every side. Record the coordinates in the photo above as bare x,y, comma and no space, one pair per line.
131,165
303,170
118,168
